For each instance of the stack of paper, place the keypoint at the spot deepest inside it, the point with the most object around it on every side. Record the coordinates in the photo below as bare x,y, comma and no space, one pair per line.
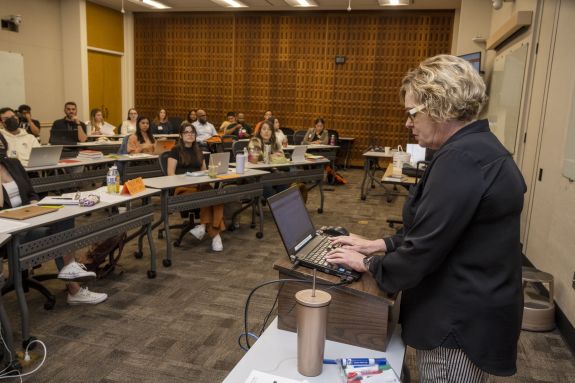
90,154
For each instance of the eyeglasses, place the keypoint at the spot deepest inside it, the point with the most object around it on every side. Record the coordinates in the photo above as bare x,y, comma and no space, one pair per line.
411,113
187,132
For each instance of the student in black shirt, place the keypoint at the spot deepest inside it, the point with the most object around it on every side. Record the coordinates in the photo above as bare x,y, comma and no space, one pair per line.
30,125
186,156
68,130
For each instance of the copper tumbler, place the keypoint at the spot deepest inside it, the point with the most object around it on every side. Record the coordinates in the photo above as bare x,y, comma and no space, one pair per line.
311,330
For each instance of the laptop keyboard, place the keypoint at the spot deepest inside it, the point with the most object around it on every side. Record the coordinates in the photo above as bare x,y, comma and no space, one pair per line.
317,257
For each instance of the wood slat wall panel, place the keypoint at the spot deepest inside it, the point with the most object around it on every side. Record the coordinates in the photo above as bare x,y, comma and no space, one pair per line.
252,62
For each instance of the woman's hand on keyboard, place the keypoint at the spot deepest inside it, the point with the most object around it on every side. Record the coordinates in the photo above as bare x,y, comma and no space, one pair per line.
359,244
350,259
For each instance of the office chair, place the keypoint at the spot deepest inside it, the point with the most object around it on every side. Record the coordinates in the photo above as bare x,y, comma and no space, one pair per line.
227,144
239,145
287,131
186,226
299,136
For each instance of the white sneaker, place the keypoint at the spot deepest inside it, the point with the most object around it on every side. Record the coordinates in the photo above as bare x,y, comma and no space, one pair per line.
76,272
217,243
85,296
199,231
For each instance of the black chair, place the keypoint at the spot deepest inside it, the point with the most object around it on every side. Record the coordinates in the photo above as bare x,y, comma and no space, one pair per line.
187,225
175,122
299,136
238,146
287,131
290,139
227,145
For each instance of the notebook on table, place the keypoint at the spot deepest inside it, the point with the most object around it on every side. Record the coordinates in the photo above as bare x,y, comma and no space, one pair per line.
45,155
26,212
299,236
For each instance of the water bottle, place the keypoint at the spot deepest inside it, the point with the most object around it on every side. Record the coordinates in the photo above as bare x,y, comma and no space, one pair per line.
332,140
240,163
246,158
113,180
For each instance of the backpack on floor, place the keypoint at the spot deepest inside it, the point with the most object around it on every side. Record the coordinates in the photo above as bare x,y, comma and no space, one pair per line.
104,251
334,178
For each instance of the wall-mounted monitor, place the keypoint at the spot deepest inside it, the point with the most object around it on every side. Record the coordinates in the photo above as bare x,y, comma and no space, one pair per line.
474,59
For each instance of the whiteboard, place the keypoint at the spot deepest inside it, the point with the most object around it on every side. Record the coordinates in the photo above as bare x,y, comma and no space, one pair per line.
12,91
505,95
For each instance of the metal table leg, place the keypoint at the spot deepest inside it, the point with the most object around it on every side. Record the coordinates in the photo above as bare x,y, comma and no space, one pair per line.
167,262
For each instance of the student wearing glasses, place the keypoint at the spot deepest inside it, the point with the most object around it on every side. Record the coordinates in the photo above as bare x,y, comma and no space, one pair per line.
129,125
186,156
458,259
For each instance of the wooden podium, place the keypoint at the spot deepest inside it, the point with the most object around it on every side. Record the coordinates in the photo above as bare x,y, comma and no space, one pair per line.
359,314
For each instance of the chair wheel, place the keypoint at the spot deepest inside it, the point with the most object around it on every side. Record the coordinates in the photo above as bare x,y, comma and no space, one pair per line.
252,225
363,198
160,235
151,274
320,210
167,262
231,227
138,254
259,234
29,341
49,305
177,243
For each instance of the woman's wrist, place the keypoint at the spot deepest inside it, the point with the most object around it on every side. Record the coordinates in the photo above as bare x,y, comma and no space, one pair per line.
377,245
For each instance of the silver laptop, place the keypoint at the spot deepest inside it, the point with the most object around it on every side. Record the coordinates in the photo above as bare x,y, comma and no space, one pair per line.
298,153
222,160
45,156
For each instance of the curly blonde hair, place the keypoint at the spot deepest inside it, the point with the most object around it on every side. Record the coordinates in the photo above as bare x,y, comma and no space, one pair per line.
448,86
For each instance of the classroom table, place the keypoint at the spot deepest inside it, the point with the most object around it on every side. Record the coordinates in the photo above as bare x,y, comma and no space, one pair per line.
346,146
275,352
370,178
297,173
24,256
4,320
217,195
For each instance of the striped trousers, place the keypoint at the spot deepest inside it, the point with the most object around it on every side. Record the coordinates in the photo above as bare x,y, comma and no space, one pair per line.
447,365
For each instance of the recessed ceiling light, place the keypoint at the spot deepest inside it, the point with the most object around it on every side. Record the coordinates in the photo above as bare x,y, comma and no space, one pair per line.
230,3
301,3
156,4
393,3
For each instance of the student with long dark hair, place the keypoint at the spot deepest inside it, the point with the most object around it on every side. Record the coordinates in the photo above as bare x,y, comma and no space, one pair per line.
142,141
186,156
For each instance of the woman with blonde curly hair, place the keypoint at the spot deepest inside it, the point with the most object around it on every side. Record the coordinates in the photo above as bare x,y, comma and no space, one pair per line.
458,259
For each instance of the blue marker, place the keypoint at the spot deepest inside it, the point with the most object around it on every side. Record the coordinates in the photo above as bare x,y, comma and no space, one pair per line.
363,361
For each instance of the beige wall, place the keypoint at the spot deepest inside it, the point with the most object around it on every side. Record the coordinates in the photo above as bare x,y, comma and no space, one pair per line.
40,42
474,20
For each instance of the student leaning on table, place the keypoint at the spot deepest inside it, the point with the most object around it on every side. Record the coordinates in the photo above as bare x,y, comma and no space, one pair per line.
458,259
97,126
186,156
142,141
316,135
17,191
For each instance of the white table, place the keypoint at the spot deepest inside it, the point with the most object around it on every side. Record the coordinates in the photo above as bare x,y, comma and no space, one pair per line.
27,255
203,198
275,352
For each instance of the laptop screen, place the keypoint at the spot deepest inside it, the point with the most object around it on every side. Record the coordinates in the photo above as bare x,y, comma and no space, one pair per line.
292,218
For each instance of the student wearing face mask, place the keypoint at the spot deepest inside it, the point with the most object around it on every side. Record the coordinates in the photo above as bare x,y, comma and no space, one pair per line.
19,141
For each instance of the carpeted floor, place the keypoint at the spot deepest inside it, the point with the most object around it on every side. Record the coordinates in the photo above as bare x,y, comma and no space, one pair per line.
183,326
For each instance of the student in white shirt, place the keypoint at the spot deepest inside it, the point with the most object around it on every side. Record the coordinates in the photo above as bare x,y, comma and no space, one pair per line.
19,141
97,126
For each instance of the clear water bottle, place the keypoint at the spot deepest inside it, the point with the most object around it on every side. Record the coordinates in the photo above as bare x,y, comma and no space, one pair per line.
113,180
332,140
240,163
246,155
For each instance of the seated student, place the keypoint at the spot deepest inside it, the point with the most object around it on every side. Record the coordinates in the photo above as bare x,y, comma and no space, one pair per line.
186,156
97,126
264,140
316,135
280,136
267,116
230,120
142,141
161,124
30,125
68,130
17,191
129,125
192,117
204,129
20,142
241,129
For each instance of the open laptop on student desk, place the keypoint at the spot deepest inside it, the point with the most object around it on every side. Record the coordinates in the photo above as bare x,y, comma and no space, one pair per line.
44,156
222,160
299,236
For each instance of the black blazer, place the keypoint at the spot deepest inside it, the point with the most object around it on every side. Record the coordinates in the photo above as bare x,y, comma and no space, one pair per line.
25,188
459,261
